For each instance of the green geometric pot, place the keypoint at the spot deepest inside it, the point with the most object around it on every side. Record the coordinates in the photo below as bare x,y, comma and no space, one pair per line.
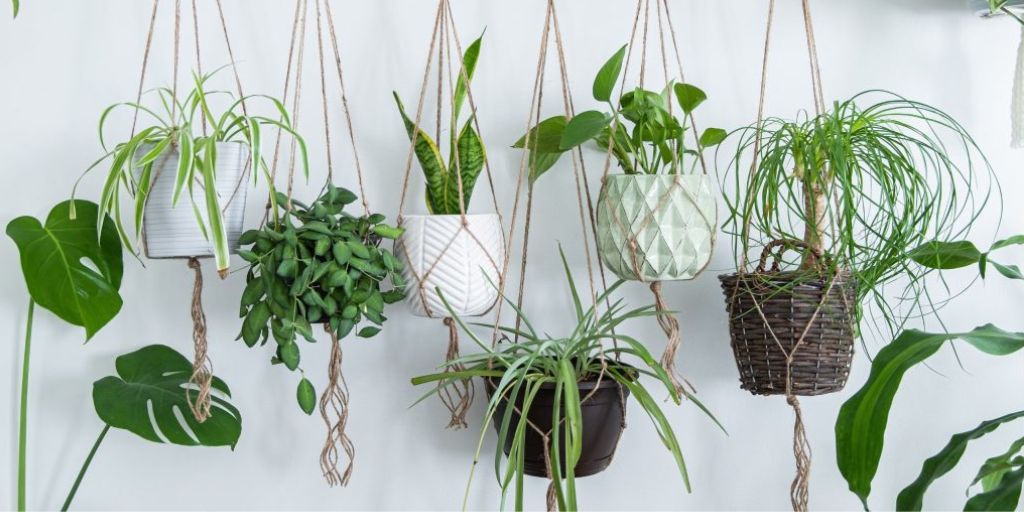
656,227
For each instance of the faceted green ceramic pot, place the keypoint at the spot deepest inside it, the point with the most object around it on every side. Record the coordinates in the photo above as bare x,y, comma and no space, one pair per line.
656,227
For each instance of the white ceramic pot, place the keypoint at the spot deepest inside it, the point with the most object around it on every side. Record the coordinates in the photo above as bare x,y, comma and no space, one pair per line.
658,227
174,231
463,261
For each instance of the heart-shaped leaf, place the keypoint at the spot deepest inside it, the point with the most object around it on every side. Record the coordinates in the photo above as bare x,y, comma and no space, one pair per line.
70,268
148,398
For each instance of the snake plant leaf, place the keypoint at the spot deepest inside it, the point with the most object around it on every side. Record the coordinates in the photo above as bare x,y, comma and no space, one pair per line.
992,471
912,497
70,268
608,75
430,159
469,60
471,158
1005,496
860,426
946,255
147,398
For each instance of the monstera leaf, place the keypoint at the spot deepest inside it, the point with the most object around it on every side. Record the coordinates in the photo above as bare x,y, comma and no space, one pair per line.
148,398
70,268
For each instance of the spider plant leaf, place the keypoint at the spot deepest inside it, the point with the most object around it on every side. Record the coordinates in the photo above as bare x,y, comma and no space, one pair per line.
149,397
52,262
141,195
912,497
17,6
469,60
608,76
432,163
215,217
661,424
186,164
471,158
860,426
572,286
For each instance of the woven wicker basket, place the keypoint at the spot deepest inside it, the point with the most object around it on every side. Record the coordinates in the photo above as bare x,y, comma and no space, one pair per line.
789,303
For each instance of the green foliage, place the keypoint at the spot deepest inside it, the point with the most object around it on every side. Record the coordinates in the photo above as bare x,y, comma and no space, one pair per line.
952,255
317,265
466,154
860,426
863,185
150,389
178,130
16,6
70,267
648,139
593,348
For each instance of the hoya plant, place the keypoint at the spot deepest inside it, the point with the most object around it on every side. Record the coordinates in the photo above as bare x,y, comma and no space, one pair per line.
317,265
189,129
647,130
568,368
466,153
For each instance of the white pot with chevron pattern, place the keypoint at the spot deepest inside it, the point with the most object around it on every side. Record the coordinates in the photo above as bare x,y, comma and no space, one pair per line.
462,260
174,231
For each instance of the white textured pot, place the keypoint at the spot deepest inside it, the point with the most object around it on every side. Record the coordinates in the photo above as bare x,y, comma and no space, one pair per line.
174,231
463,261
658,227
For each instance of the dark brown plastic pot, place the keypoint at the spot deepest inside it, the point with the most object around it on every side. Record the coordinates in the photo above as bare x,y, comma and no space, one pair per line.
603,417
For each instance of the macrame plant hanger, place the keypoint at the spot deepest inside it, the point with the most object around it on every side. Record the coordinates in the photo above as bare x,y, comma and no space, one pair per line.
334,401
668,323
202,369
457,398
799,492
586,217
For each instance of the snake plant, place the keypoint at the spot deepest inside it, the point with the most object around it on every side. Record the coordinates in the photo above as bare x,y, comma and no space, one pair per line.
190,126
466,155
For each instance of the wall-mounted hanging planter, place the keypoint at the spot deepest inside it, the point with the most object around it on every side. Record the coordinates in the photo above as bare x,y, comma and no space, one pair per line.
602,416
172,230
461,259
656,227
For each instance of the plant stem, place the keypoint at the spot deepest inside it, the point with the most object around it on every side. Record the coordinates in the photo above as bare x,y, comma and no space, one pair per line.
23,415
85,467
814,206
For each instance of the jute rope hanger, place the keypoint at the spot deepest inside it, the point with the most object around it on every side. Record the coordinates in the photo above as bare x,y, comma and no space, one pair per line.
444,41
201,378
799,489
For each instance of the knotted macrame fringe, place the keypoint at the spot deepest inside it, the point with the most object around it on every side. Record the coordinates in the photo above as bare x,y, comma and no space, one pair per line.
202,369
798,491
670,325
1017,105
334,410
458,396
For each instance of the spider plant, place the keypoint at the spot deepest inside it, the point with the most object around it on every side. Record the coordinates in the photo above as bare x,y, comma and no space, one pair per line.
192,127
1001,6
861,185
593,350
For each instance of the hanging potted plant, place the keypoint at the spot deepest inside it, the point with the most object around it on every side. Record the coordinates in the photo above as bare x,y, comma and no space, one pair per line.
186,173
849,193
657,220
559,403
450,249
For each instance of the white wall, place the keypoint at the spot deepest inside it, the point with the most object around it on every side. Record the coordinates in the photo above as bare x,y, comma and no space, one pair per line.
63,61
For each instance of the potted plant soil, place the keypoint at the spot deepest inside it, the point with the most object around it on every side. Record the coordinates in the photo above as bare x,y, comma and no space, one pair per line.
835,204
186,173
449,248
569,395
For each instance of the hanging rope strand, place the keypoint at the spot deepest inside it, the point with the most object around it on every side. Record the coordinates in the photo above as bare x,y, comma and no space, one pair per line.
287,81
231,55
334,409
199,59
323,93
145,64
177,45
202,369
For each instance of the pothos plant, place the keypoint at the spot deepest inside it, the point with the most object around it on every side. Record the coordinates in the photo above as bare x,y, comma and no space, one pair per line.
317,265
594,349
192,127
466,153
646,133
862,185
862,421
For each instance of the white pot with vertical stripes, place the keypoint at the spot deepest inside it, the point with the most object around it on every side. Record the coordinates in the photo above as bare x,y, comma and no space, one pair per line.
176,231
463,260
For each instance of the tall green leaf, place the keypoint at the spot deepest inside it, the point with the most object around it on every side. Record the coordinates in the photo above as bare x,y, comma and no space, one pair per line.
912,497
995,467
54,260
604,83
150,389
215,218
16,7
470,160
469,60
434,170
860,426
1005,496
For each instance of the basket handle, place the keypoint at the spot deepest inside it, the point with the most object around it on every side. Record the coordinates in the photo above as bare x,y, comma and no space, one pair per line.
776,248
